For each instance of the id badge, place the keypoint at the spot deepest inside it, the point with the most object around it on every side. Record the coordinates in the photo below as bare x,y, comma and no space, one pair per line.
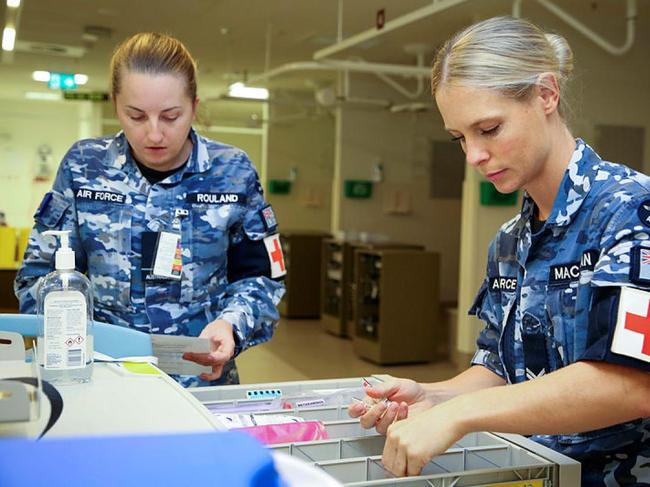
168,260
161,256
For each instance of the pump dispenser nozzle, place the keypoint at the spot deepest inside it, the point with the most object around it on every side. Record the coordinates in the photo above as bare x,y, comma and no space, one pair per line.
64,257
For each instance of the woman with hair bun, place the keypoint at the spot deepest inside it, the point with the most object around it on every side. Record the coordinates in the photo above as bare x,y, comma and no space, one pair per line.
565,353
159,182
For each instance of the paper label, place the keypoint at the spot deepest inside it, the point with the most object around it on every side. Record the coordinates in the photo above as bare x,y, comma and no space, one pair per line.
168,261
169,350
314,403
65,320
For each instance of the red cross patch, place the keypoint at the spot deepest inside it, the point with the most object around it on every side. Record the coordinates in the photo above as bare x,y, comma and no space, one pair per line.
632,333
276,258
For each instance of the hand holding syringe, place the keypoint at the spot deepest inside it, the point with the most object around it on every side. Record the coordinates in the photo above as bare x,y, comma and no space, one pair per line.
385,403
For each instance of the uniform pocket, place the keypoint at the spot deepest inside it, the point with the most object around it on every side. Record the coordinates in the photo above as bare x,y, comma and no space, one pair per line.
561,310
205,248
51,210
105,233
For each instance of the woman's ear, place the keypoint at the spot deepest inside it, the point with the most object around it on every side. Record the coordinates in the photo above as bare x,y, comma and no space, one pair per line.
548,92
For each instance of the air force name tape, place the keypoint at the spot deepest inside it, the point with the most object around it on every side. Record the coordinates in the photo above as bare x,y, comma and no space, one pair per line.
216,198
503,283
565,273
632,332
99,195
276,258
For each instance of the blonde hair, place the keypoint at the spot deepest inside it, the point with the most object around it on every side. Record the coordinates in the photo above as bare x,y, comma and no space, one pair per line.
153,53
504,54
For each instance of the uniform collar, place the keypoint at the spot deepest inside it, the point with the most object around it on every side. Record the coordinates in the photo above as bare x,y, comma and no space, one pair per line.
118,153
574,188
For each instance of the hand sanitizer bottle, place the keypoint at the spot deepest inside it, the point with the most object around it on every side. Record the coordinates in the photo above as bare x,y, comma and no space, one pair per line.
65,309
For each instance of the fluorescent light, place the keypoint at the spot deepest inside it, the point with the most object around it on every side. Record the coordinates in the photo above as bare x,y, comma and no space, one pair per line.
240,90
8,39
42,95
43,76
13,3
80,79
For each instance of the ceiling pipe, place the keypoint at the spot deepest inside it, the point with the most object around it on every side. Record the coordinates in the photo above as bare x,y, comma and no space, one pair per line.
603,43
419,14
337,65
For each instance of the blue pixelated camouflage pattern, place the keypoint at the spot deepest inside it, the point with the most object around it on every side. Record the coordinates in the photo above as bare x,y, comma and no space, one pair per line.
595,210
106,238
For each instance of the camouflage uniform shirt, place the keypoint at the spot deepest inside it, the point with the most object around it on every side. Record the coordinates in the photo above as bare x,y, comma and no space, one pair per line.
538,300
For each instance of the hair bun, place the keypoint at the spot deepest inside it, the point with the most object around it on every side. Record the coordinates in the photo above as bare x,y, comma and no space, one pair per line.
563,54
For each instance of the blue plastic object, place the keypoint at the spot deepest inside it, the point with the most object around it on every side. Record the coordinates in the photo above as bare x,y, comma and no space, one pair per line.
229,459
263,393
116,341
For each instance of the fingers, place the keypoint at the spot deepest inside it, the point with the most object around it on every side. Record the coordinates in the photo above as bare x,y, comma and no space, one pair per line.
403,412
372,415
414,465
217,370
357,409
200,358
381,391
394,458
388,418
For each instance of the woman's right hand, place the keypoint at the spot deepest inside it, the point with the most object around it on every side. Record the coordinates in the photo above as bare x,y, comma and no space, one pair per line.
388,402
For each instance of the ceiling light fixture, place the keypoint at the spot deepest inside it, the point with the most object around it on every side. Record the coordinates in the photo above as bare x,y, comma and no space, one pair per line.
81,79
43,76
8,38
46,77
13,3
240,90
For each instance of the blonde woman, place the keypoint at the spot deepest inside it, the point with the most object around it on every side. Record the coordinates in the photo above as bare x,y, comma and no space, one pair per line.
565,352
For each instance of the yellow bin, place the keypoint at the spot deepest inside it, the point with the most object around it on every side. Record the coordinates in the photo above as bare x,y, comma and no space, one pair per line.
8,247
23,238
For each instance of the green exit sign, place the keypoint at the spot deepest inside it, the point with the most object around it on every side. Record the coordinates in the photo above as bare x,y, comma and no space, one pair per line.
86,96
62,81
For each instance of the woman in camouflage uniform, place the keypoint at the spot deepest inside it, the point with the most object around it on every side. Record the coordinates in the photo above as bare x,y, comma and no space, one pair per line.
159,179
565,352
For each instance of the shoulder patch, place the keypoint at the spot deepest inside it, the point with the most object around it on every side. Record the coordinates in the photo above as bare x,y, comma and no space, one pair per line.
44,203
640,265
632,332
643,212
276,257
268,217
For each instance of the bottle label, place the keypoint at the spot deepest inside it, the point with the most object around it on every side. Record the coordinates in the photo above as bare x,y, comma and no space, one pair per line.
65,325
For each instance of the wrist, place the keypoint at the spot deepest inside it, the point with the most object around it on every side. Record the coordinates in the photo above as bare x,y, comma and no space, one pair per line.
436,392
460,414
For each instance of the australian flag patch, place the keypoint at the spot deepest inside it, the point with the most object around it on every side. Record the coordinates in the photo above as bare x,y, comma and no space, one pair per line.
268,217
640,268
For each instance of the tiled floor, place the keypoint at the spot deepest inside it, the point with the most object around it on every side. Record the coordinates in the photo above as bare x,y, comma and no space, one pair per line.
301,350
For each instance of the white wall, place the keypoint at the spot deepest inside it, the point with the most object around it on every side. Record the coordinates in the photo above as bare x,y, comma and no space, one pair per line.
302,138
402,143
24,126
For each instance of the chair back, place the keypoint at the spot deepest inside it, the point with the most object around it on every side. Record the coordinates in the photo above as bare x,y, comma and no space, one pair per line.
114,340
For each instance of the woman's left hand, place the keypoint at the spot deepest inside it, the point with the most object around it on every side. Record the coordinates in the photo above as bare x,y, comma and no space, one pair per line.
413,442
222,348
